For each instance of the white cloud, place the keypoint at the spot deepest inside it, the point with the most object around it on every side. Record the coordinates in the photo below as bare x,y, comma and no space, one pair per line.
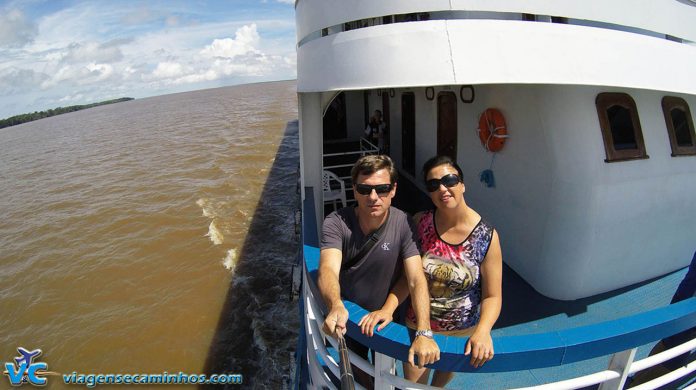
290,62
249,66
128,72
287,1
222,58
99,72
58,30
15,29
172,21
208,75
81,63
245,41
12,80
80,75
139,16
93,51
71,98
167,70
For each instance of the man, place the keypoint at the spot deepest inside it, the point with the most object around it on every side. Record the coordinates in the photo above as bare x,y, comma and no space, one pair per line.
367,281
375,129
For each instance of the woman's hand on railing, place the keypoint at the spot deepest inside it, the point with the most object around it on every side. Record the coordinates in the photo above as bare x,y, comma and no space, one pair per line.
369,321
480,346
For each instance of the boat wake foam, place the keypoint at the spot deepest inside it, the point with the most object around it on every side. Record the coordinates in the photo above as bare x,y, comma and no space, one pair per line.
230,261
215,234
205,205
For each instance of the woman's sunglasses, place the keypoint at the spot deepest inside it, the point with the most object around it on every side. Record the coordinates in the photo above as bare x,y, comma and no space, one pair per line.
366,189
448,181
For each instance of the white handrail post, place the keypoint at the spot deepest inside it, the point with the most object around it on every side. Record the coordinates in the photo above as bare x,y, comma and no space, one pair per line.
383,363
621,363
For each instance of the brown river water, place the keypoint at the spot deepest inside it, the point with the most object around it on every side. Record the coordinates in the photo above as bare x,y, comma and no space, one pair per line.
154,235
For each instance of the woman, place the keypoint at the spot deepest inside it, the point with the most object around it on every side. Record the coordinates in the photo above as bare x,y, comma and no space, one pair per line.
462,261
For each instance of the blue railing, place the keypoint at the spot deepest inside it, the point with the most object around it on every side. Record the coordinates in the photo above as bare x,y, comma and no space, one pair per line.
527,351
513,353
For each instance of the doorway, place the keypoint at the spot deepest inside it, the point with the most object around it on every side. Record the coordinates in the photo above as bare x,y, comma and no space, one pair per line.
335,119
408,132
385,117
447,124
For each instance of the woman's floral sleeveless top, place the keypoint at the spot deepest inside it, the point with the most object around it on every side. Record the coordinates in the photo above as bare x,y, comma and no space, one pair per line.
453,275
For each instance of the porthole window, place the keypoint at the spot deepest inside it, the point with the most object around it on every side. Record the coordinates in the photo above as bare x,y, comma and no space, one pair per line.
621,131
680,126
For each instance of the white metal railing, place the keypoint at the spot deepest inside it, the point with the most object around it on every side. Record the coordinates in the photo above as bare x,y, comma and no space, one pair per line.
383,372
672,376
316,338
366,147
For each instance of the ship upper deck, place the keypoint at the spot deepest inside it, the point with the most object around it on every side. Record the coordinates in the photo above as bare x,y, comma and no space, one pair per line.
363,44
667,17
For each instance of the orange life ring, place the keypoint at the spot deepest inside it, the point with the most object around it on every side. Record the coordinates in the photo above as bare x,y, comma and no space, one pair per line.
492,131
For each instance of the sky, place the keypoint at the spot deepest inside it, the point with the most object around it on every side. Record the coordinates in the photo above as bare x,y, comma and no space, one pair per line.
57,53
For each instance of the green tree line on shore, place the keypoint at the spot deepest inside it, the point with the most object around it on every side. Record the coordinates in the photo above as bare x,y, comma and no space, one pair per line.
23,118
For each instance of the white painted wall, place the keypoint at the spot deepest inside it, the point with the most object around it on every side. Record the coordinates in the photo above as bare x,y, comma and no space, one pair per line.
395,127
426,129
310,113
651,202
523,171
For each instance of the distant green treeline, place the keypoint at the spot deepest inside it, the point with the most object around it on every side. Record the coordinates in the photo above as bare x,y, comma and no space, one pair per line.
19,119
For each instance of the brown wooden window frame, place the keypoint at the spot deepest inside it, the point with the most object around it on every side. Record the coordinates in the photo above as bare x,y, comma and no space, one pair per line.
606,100
668,104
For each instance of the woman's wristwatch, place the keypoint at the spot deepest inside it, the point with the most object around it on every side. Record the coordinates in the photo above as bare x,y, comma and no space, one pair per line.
425,333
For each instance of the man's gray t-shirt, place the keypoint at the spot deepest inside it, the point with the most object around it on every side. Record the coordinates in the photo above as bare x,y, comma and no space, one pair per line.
370,279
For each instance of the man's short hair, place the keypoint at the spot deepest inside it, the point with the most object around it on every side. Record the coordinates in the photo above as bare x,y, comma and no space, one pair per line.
370,164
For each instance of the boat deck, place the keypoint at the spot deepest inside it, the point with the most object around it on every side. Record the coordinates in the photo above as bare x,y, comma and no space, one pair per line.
525,311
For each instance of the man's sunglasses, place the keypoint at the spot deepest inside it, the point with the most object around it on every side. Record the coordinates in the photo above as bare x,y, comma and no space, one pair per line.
448,181
366,189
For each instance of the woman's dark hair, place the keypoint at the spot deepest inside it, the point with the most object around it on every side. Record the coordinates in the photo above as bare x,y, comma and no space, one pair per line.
436,162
